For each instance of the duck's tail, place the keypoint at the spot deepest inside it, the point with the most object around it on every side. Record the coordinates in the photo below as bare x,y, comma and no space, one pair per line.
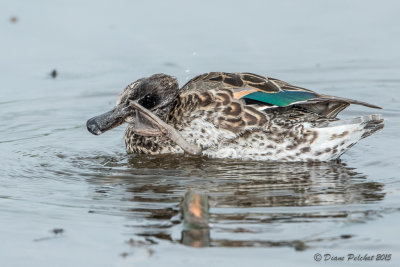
335,138
369,124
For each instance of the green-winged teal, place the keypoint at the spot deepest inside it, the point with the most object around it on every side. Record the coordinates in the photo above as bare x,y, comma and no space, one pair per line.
234,115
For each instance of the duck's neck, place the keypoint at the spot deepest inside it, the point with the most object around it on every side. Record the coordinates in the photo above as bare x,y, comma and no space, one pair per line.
135,143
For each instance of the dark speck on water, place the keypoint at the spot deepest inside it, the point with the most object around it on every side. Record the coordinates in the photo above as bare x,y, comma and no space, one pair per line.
14,19
58,231
91,204
54,73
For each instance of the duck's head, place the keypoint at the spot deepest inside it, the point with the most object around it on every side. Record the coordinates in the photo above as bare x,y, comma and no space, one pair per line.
156,93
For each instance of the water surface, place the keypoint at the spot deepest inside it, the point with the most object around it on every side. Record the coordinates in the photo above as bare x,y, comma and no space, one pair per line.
116,209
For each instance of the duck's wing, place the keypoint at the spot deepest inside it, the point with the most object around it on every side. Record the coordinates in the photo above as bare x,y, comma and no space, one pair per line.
266,92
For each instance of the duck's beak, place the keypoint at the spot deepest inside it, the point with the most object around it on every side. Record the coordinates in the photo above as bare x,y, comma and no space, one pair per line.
109,120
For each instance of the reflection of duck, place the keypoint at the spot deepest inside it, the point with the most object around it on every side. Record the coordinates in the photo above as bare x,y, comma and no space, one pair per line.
252,203
234,115
253,183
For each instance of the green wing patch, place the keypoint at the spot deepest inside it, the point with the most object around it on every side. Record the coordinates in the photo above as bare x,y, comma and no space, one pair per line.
282,98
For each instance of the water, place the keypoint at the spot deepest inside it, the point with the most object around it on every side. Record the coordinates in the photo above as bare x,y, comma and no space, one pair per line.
122,210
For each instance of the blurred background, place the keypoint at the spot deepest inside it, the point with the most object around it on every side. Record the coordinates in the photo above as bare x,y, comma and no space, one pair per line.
62,62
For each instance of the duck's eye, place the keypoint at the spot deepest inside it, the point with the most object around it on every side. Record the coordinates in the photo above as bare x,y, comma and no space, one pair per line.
149,101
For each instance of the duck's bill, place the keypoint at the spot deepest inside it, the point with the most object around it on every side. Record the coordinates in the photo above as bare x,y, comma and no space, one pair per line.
109,120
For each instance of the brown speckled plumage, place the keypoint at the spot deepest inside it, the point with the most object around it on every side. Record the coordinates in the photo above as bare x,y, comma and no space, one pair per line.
212,112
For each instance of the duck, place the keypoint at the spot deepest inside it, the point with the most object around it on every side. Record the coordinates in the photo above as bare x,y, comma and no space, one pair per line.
234,115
